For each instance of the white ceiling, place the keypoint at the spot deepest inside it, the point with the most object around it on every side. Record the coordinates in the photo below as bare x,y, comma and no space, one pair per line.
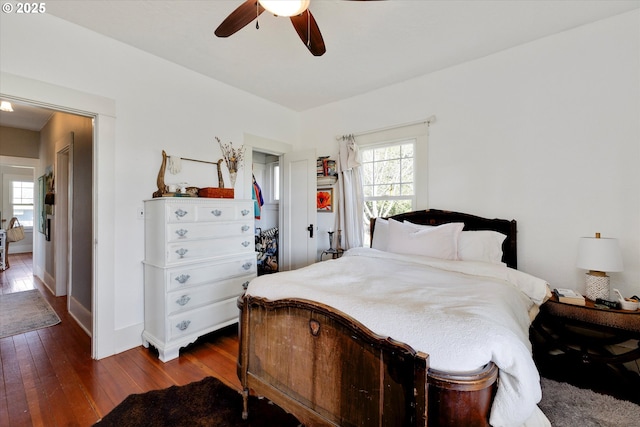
370,44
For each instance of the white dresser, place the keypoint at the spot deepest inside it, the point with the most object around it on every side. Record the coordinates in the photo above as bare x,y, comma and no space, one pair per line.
199,257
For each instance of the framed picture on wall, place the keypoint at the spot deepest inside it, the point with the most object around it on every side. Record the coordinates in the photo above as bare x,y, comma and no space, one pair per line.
42,214
324,200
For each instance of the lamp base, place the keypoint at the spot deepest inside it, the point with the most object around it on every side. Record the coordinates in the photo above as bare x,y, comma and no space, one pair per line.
597,286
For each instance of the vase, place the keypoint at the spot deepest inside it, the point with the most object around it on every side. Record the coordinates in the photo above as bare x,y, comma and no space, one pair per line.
233,175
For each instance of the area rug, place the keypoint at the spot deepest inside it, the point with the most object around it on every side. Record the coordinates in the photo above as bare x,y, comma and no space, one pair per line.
204,403
211,403
569,406
25,311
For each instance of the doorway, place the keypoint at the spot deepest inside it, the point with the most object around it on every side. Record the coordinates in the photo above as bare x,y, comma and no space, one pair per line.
56,194
266,195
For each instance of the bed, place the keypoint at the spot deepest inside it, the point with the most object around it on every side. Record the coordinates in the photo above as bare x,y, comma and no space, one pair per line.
428,327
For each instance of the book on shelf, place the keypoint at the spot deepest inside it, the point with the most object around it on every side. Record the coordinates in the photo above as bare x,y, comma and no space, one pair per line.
326,166
569,296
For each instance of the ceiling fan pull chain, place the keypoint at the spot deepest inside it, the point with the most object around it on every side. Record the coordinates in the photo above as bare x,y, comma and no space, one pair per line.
257,15
308,30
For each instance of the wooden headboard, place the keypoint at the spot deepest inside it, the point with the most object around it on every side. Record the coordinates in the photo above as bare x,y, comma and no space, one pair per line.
471,223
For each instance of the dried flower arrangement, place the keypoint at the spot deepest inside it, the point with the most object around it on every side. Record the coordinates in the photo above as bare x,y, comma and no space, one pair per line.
232,157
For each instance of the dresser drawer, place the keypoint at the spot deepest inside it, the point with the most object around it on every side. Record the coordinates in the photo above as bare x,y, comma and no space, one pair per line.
192,297
189,211
181,277
215,212
190,322
199,249
179,232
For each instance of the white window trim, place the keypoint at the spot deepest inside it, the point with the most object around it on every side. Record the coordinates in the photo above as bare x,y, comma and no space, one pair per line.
7,180
419,132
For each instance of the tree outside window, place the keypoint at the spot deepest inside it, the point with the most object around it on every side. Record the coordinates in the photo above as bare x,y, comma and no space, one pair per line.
388,180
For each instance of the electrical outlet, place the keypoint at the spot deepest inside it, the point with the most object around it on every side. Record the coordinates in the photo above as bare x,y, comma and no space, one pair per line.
140,213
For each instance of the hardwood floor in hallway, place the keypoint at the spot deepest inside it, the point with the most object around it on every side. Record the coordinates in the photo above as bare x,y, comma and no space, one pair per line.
48,377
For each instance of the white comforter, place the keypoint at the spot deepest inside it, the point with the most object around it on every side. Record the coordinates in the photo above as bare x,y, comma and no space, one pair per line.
463,314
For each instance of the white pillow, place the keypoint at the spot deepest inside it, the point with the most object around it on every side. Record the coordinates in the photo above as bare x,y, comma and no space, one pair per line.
478,245
481,245
381,235
435,242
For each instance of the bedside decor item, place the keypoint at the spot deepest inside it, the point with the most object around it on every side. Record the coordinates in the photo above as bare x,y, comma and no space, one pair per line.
233,158
330,232
626,303
598,255
569,296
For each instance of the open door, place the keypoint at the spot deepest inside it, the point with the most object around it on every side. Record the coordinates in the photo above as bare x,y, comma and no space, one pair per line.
298,209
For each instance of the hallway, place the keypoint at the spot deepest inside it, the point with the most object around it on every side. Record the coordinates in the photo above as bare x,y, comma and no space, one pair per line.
47,377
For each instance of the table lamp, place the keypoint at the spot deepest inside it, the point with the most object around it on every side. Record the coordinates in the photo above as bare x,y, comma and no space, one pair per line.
598,255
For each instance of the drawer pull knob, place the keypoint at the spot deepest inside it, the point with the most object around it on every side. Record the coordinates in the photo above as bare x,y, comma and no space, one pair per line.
183,325
180,213
182,233
247,265
183,300
245,212
245,243
182,279
182,252
245,285
245,227
216,212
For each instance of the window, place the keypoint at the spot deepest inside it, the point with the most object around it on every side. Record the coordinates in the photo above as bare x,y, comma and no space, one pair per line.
22,202
388,180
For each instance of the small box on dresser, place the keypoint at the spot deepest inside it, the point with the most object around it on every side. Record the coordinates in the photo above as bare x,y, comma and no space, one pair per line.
199,257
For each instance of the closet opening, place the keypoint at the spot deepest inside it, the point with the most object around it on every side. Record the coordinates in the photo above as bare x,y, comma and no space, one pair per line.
266,196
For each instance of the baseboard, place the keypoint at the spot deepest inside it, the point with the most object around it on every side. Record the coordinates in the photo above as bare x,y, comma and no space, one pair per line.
82,316
49,281
128,338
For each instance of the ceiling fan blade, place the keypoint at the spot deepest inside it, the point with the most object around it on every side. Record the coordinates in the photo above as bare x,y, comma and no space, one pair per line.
239,18
307,28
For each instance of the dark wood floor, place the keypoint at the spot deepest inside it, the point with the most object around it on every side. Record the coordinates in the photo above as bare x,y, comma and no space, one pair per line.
49,378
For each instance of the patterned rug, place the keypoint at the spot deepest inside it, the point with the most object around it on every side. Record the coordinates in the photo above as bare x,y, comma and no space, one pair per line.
25,311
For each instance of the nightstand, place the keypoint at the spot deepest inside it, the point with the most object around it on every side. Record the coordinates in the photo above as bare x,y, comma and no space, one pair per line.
335,253
573,342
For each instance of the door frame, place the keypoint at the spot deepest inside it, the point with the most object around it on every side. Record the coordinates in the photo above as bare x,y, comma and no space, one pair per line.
62,219
103,111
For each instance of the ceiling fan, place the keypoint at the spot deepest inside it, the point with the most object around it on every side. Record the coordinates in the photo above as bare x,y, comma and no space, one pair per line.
298,11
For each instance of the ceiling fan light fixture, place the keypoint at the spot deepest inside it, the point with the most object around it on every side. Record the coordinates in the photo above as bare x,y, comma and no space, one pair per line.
6,106
285,7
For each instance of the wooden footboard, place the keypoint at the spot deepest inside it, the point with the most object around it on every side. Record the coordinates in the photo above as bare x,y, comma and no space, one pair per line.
326,368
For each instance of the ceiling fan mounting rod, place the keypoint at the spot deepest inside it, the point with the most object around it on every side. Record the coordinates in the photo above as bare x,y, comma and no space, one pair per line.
257,14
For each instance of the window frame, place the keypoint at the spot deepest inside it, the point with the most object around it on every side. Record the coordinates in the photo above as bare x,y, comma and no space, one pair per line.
402,141
22,179
417,131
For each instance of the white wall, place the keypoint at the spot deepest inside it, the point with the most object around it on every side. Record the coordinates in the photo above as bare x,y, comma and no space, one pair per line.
145,90
547,133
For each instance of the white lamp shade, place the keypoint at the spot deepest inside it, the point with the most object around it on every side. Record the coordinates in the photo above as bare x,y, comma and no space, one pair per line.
285,7
599,254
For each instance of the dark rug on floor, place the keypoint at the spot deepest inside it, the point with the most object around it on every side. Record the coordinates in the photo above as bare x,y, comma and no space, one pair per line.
204,403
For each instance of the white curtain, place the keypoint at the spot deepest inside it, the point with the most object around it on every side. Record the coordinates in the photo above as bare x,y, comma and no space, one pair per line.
350,197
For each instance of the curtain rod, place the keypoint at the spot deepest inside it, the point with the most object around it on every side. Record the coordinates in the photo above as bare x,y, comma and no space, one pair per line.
429,120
